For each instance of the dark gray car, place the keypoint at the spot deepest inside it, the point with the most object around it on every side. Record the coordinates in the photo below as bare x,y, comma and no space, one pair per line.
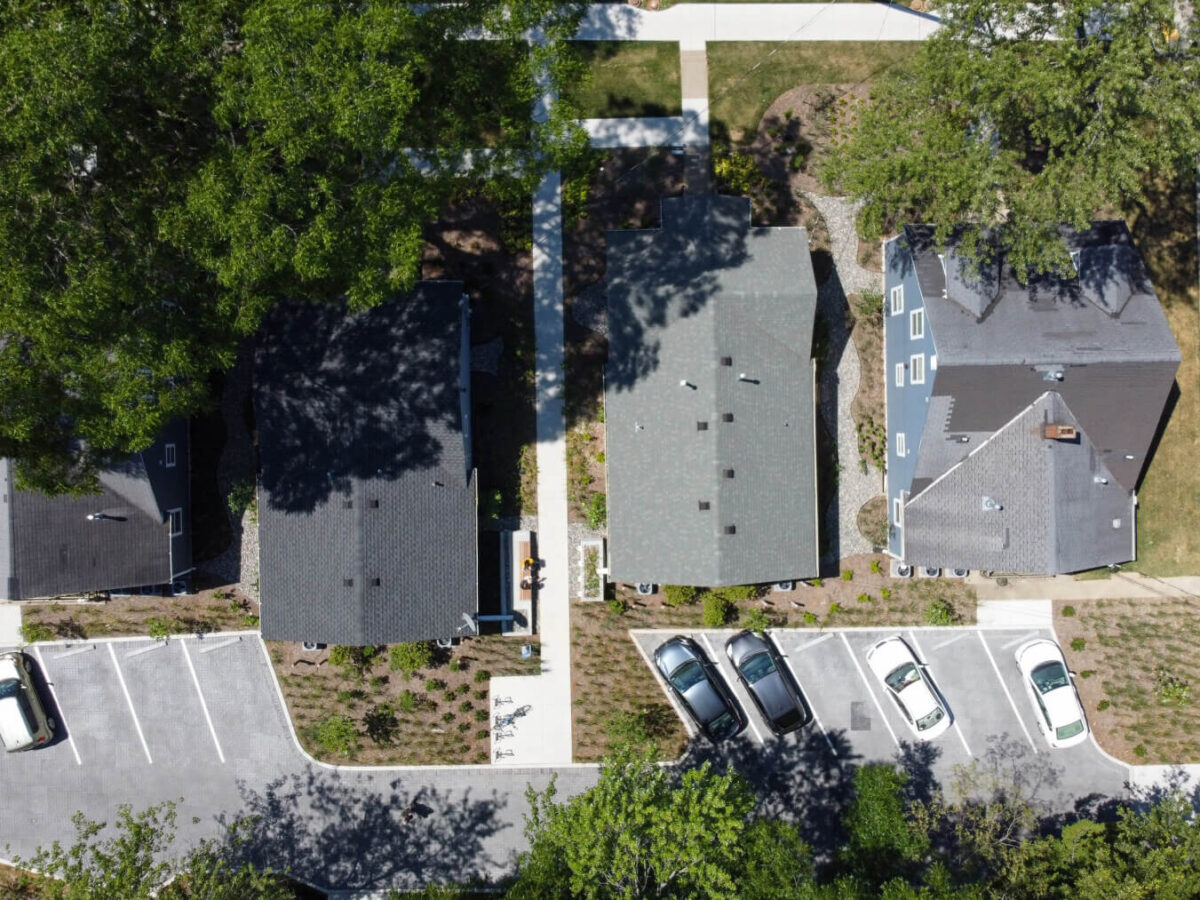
699,688
767,681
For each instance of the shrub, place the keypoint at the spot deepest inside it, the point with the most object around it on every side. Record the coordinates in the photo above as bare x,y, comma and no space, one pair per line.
755,620
1077,644
816,582
736,173
407,658
864,598
1068,611
434,684
1139,751
32,632
378,681
480,694
481,715
450,695
847,574
336,734
463,727
600,457
1103,705
159,628
885,594
407,701
940,612
466,706
353,661
491,504
597,512
240,498
617,605
480,676
1087,673
1170,688
482,734
835,608
717,610
455,665
874,567
678,594
738,592
447,716
810,618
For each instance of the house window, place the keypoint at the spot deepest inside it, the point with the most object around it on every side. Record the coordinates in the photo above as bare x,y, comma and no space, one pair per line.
899,374
916,368
176,521
169,456
897,513
897,300
933,362
916,324
901,444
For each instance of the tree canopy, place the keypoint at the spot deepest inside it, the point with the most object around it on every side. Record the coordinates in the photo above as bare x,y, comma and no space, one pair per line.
169,171
1022,116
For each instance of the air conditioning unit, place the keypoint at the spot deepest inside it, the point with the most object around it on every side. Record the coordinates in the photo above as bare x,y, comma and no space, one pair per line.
958,573
901,570
783,586
644,589
928,572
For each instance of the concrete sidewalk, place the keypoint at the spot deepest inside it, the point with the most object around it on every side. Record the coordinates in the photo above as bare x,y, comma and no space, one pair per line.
1066,587
10,624
693,24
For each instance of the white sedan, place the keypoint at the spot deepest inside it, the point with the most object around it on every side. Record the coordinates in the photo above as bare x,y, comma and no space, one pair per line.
1047,680
909,685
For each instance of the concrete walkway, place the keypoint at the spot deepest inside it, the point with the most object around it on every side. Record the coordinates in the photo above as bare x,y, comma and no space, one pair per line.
1067,587
10,624
692,24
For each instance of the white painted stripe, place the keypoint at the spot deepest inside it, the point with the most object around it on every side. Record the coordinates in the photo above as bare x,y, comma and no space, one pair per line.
1004,687
816,716
949,641
749,716
1029,635
129,700
62,716
863,676
814,642
155,646
209,648
74,652
199,693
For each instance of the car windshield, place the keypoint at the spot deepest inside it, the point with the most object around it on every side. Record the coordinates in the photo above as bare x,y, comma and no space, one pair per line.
930,720
1049,676
902,677
9,688
723,725
686,676
758,666
1069,731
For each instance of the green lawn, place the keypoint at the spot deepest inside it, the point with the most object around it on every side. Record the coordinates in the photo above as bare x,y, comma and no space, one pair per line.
629,78
744,78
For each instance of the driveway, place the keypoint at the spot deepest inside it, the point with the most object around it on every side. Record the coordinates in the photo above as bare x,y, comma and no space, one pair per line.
856,722
200,721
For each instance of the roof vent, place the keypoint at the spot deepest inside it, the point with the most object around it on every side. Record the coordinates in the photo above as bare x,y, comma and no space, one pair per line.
375,582
702,426
728,473
374,504
705,506
990,505
726,417
727,360
1055,432
348,504
731,529
348,582
1099,479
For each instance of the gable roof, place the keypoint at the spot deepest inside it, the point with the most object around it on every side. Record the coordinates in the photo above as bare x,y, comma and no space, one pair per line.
1064,512
367,504
710,318
49,547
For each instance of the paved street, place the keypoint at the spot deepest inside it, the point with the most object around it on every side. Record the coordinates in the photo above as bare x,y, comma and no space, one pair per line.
201,720
857,722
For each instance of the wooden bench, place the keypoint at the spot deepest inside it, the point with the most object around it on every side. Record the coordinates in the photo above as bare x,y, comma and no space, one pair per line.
524,551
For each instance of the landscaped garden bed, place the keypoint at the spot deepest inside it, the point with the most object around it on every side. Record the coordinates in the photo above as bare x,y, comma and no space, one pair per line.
398,705
216,609
1137,674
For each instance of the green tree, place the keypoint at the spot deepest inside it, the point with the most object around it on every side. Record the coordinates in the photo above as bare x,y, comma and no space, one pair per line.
1025,116
410,657
880,843
639,833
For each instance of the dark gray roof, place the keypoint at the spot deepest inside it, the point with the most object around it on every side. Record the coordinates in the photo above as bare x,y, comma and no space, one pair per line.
704,287
1108,314
49,547
368,521
1060,508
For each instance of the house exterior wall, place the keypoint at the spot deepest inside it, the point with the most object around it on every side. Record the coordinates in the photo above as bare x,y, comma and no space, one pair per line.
173,489
907,405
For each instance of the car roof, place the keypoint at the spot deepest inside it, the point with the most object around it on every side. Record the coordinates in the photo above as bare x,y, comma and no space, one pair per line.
919,699
1062,706
705,700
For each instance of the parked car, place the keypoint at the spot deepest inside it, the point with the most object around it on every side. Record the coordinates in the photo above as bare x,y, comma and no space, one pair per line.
699,688
768,682
1048,683
23,720
907,682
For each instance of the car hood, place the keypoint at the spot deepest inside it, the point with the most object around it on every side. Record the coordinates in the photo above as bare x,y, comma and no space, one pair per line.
703,698
744,645
888,656
671,655
1036,652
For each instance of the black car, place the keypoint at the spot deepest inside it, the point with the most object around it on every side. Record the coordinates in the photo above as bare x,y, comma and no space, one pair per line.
768,682
699,688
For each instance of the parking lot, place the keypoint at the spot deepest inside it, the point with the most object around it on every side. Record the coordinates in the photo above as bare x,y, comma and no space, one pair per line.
973,668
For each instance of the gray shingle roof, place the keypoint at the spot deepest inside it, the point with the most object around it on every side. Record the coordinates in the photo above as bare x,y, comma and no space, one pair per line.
49,547
368,519
693,307
1058,503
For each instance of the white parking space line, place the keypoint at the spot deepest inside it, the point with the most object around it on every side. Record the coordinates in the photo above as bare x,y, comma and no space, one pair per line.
816,716
1022,639
717,662
203,704
814,642
74,652
954,719
62,716
1004,687
129,700
863,676
949,641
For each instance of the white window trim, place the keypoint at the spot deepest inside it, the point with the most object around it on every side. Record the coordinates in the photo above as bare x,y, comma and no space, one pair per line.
169,457
897,512
916,366
171,513
932,362
897,300
916,316
901,444
899,374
